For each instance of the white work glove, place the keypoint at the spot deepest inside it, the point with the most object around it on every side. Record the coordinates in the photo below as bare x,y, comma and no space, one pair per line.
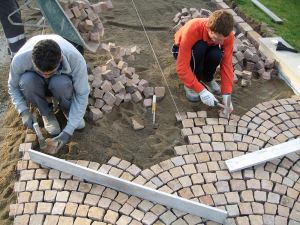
208,98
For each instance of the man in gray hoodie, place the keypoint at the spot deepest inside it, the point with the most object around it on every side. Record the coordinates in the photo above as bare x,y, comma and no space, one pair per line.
48,65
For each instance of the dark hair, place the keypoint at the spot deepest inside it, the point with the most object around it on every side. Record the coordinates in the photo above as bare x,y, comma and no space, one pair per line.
46,55
221,22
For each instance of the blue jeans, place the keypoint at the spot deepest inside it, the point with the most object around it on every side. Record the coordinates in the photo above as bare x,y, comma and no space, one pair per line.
204,60
35,89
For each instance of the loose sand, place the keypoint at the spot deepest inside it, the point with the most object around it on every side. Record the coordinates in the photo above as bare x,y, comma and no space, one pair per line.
113,136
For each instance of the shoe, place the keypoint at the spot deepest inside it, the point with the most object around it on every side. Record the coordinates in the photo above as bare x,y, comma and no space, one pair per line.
214,87
191,95
81,124
51,124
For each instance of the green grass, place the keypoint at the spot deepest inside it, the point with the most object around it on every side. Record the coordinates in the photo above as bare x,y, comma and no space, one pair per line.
287,10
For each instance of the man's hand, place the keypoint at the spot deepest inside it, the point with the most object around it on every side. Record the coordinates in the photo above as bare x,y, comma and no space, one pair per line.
63,138
27,119
207,98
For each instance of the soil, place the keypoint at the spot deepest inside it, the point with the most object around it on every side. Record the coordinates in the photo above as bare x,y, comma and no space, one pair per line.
113,135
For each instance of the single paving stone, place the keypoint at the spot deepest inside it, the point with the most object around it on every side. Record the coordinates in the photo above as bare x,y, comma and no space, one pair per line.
242,221
260,196
82,221
257,208
269,219
62,196
51,219
233,210
222,186
126,209
210,177
209,189
223,175
185,181
158,209
24,197
287,201
91,200
58,208
197,178
71,209
207,199
50,196
237,185
270,208
219,199
266,185
253,184
245,208
247,196
111,217
232,197
84,187
273,198
63,220
168,217
186,193
58,184
96,213
145,205
76,197
44,208
29,208
104,203
137,214
82,210
256,219
37,219
71,185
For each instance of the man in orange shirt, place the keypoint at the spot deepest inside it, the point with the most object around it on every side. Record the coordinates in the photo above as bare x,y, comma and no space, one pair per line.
200,46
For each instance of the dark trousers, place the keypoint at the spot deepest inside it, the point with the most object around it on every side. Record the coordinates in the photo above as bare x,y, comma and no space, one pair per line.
204,60
14,34
35,89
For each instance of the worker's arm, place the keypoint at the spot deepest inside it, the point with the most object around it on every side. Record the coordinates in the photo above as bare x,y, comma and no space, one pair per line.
189,38
81,90
226,65
17,68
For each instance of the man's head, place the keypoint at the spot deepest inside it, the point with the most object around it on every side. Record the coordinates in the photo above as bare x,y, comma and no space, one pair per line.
46,57
220,24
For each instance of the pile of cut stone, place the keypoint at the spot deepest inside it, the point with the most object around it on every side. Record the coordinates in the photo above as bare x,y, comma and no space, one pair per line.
248,62
116,82
85,17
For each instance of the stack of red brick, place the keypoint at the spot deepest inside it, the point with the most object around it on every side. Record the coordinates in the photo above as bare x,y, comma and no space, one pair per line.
248,62
85,17
116,82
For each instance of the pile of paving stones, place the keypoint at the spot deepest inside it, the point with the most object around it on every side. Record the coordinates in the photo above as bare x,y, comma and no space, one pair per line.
264,194
85,17
247,61
116,82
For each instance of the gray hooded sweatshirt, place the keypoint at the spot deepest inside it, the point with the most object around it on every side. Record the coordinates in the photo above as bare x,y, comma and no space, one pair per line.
73,64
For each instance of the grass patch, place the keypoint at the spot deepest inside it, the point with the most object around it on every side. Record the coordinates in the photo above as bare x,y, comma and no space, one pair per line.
288,11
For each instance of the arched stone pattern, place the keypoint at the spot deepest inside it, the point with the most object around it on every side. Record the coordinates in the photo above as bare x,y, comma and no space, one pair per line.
264,194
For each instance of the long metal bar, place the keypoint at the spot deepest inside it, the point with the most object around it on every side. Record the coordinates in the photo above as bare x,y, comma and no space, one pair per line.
171,201
275,18
263,155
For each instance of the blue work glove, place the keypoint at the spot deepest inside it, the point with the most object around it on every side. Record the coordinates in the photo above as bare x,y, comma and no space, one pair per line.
207,98
63,138
27,119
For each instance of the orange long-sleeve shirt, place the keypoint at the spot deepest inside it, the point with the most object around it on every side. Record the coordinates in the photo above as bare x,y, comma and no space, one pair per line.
185,38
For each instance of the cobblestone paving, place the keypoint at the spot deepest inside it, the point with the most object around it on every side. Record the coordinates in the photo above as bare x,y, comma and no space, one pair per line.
265,194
